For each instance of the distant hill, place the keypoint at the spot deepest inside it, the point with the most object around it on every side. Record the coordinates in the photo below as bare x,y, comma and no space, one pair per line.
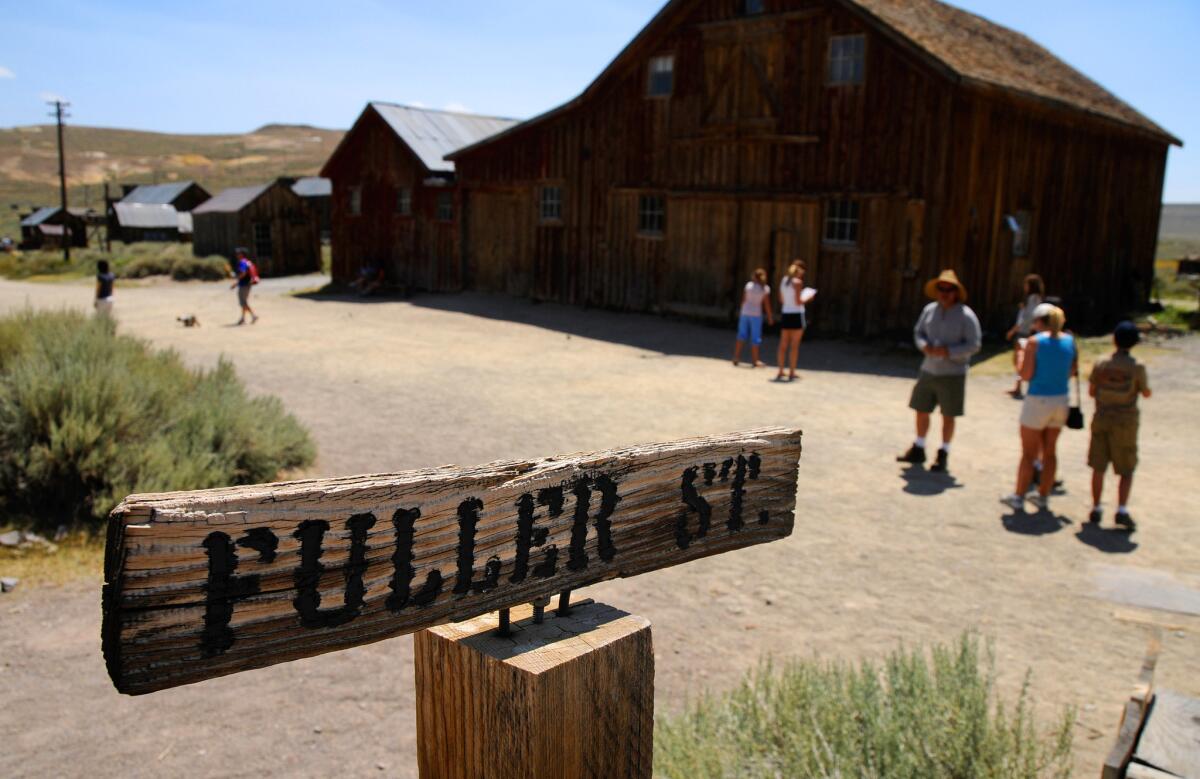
95,155
1180,220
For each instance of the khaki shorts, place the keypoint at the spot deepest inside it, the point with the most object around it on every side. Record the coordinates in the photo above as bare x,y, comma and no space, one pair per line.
244,294
1039,412
931,391
1114,440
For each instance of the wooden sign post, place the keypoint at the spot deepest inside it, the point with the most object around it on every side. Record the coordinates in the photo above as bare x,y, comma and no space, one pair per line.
203,584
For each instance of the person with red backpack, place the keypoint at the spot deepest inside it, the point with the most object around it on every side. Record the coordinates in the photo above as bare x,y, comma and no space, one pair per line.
247,276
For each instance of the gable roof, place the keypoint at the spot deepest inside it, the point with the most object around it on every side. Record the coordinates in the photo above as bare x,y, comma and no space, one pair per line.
147,216
313,186
157,194
39,216
232,200
965,48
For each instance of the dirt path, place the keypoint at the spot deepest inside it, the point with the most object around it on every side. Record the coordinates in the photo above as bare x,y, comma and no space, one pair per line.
879,557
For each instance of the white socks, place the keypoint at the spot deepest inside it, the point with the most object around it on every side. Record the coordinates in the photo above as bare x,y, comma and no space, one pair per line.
919,442
946,447
1122,510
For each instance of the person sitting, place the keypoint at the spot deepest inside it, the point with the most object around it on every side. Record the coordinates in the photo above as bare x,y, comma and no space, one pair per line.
370,278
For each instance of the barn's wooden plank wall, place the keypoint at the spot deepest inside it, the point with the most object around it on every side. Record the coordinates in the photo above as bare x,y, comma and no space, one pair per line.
294,231
753,145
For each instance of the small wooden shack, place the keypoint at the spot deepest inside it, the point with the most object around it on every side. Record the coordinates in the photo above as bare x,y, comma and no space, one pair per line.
155,212
317,193
270,220
395,199
50,228
879,140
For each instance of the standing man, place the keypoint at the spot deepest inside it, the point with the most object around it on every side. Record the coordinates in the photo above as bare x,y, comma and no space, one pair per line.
104,289
245,278
947,333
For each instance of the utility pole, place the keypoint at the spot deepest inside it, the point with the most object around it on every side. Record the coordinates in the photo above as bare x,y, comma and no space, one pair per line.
58,115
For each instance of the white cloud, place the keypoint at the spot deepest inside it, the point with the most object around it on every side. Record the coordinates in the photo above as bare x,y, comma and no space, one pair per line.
418,104
6,73
457,108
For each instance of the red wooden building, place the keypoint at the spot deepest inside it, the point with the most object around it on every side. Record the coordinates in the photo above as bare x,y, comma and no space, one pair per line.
880,140
395,198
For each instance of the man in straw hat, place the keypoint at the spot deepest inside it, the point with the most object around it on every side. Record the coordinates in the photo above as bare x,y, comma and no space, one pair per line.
947,333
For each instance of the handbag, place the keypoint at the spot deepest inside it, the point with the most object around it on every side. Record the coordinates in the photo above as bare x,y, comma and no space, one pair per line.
1075,414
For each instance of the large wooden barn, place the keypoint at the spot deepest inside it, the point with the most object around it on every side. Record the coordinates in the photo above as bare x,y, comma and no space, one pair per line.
270,221
879,140
395,198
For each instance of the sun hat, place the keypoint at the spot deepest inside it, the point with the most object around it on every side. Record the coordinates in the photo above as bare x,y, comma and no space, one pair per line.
946,277
1126,334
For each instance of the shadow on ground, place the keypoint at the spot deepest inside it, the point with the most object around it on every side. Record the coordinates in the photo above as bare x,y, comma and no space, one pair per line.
1107,540
918,481
1042,523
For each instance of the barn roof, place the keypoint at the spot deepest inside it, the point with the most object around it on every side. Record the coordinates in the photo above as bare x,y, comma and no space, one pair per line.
157,194
434,134
231,200
148,216
39,216
965,47
313,186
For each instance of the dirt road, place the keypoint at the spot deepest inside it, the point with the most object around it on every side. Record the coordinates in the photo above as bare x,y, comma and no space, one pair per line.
880,556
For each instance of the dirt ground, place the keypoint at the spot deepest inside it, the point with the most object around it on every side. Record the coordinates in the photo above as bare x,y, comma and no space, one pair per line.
881,556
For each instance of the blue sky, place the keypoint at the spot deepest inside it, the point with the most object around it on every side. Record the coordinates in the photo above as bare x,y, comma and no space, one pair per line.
223,66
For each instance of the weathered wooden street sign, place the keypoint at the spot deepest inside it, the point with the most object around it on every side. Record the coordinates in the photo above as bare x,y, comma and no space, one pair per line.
203,584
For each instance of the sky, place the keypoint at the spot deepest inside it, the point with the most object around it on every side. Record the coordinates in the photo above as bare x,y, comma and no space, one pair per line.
226,66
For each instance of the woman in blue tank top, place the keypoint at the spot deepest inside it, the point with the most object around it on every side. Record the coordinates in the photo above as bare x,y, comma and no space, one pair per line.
1049,361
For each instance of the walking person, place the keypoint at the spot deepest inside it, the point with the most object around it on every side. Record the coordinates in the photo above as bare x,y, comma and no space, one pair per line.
792,319
948,334
756,300
1034,293
1050,360
247,276
104,289
1116,383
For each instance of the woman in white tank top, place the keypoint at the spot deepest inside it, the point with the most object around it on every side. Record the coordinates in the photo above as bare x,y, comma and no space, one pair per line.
792,297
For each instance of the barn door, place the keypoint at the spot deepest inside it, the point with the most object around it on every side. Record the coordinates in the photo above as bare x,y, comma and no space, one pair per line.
701,257
776,232
743,69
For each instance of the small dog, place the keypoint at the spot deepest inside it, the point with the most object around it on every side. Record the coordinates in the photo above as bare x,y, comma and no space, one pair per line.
188,321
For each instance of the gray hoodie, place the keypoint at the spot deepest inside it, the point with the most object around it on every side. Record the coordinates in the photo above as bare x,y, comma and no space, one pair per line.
956,328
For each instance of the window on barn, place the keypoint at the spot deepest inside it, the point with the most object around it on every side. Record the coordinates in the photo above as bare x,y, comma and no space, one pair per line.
1019,224
846,59
404,202
550,207
652,214
355,204
445,207
661,76
752,7
262,241
841,223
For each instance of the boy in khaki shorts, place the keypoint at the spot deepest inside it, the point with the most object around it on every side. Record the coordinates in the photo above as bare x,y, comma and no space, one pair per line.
1115,383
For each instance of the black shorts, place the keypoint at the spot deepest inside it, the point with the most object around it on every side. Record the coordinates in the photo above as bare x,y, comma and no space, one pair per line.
793,321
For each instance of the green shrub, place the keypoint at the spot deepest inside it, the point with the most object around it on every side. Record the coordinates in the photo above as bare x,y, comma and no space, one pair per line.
911,719
88,416
141,267
212,268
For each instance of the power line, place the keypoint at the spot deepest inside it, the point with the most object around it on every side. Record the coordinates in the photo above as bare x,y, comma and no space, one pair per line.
59,114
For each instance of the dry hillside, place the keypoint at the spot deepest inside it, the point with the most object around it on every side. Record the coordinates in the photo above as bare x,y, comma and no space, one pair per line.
95,155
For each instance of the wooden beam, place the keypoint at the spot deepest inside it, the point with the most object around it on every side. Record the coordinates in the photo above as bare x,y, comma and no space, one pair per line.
209,583
573,696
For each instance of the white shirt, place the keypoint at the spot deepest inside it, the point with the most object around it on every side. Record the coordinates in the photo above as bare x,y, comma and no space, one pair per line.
752,304
787,297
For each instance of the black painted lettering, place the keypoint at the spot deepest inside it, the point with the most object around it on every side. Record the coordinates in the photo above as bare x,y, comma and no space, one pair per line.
725,468
430,590
694,502
307,602
468,519
549,565
577,560
710,473
403,524
737,493
529,536
764,517
608,504
223,589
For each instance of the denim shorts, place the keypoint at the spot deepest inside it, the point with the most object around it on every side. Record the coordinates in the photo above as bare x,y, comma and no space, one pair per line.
750,329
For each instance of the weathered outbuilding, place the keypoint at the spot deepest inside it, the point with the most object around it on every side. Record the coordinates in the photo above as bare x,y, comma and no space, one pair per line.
317,193
50,227
269,220
879,140
395,198
155,212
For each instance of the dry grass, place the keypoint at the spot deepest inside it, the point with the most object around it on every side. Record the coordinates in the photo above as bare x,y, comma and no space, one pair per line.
80,555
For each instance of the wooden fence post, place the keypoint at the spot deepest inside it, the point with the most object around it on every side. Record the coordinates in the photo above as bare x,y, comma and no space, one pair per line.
571,697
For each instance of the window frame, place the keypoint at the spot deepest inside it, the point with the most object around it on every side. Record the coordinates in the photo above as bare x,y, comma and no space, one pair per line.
259,254
844,216
444,207
404,202
835,61
651,94
554,214
651,222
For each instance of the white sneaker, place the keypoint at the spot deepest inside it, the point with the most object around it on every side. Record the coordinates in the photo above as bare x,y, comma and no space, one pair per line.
1014,501
1041,501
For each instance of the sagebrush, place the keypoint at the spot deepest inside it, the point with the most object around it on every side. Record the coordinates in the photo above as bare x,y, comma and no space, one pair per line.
917,716
127,261
88,416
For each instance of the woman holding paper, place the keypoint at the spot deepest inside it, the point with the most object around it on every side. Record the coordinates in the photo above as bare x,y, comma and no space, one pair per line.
792,297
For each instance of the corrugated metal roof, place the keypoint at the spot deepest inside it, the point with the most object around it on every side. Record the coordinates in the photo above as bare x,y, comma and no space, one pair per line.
39,216
146,216
231,200
313,186
434,134
156,194
185,222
